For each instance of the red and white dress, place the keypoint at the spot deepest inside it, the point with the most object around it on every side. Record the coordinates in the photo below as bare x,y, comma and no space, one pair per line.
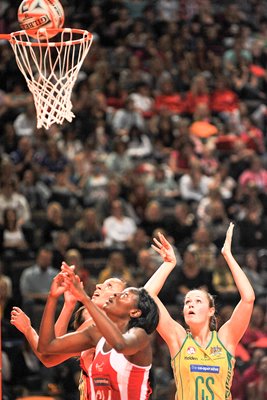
113,377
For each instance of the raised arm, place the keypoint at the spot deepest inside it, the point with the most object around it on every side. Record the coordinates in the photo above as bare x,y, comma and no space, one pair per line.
157,280
170,330
232,331
23,323
73,342
129,343
62,323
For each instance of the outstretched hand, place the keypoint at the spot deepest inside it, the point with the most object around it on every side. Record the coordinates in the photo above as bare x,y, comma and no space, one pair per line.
164,248
58,286
20,320
228,240
68,296
73,283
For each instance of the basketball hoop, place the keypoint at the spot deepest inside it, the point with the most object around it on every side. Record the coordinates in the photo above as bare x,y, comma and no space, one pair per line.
51,68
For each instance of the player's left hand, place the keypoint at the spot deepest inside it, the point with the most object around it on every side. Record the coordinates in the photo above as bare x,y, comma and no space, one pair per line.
164,248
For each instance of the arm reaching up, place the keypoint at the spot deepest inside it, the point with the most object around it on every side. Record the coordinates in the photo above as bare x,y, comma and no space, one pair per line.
157,280
23,323
233,330
63,320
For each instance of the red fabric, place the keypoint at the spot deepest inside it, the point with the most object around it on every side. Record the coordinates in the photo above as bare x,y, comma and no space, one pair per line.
262,342
224,100
242,353
253,139
193,100
251,335
225,142
173,103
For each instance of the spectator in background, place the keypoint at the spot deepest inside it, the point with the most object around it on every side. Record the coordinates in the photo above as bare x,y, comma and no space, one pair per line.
95,186
194,185
52,160
182,157
224,101
118,228
116,267
255,175
181,224
143,100
25,122
251,267
153,218
118,160
35,282
205,251
217,222
168,99
74,257
22,157
252,228
224,182
64,190
11,198
198,94
145,266
139,145
257,389
35,191
255,329
162,187
223,283
139,241
252,136
60,246
9,139
139,199
54,222
87,233
12,237
69,144
126,118
251,373
191,276
113,192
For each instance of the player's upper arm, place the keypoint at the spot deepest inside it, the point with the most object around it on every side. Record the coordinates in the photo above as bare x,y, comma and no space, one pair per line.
133,341
232,331
170,330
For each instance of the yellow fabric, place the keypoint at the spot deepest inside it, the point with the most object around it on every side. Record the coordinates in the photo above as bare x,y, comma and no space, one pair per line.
82,387
203,374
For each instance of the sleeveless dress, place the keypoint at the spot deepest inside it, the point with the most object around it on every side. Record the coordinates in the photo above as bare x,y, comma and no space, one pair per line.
203,373
113,377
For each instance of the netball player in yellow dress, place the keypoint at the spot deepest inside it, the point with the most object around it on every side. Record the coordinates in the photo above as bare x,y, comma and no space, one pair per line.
202,358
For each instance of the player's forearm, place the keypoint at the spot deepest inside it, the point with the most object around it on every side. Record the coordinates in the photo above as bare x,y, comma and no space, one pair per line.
157,280
47,333
242,283
48,360
63,320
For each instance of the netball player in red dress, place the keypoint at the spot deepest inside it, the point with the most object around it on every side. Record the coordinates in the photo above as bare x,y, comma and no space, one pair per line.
122,337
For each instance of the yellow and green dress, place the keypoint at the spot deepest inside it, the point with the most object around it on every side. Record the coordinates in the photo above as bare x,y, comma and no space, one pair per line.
203,373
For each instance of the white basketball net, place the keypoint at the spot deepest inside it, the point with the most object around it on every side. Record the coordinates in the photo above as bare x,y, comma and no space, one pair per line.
51,69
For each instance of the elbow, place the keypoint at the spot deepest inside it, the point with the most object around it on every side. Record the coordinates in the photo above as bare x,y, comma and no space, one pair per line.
47,361
41,348
249,298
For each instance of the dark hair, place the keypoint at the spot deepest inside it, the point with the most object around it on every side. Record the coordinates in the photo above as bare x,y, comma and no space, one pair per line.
213,320
78,317
149,318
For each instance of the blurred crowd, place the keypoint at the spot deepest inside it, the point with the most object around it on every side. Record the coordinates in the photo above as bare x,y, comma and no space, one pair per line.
169,135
